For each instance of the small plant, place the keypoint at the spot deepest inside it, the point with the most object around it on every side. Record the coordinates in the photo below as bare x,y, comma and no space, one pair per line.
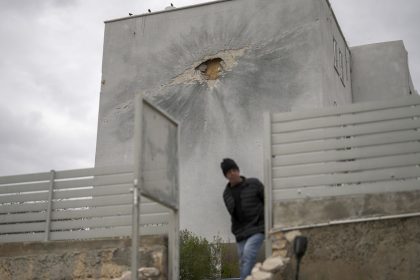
196,260
200,259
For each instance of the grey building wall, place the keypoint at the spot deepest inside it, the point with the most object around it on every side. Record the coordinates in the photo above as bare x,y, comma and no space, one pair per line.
380,71
277,56
336,53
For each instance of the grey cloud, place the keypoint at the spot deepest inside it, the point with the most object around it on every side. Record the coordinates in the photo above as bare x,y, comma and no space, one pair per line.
51,62
371,21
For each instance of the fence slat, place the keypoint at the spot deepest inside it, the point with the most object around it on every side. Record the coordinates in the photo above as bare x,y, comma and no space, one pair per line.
102,211
356,177
23,178
42,206
24,197
75,173
23,217
358,153
113,179
19,228
365,188
113,221
347,119
363,129
87,234
92,223
23,237
352,108
94,191
357,165
23,207
74,183
94,201
354,142
147,208
35,186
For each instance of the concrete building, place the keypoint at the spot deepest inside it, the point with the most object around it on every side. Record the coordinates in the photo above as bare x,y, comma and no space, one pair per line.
216,68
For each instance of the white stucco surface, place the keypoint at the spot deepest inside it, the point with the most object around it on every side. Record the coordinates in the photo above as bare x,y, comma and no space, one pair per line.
380,72
277,56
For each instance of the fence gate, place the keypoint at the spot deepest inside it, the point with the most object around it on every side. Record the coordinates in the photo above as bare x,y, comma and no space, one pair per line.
103,202
342,164
155,175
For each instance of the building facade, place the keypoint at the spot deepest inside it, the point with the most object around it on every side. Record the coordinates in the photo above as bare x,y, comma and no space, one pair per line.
215,68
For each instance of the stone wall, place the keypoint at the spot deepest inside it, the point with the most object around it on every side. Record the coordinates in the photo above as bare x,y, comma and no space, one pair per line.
96,259
384,249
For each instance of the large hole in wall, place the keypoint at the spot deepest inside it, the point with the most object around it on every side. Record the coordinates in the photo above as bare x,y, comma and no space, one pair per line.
211,69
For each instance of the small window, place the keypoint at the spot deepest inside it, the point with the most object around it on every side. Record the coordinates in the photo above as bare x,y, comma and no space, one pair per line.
347,71
341,65
335,54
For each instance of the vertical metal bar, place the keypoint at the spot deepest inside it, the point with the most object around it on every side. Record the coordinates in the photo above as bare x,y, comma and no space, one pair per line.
135,233
49,207
268,208
173,235
135,237
173,246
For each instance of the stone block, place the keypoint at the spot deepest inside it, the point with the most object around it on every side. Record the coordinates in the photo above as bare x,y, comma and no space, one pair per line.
291,235
262,275
279,244
280,253
126,276
272,264
277,236
149,271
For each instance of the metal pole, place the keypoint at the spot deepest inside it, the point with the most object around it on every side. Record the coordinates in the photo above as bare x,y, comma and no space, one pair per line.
268,197
135,233
297,269
49,208
135,238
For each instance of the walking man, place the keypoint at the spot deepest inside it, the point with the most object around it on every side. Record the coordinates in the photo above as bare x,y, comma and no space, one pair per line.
244,200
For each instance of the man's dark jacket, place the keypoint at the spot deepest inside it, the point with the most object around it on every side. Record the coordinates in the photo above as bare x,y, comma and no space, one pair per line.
247,210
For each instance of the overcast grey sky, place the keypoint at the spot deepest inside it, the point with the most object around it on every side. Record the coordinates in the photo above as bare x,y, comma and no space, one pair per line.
50,69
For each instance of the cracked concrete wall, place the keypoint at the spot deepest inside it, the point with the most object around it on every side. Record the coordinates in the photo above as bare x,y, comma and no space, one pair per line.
274,59
387,249
95,259
304,212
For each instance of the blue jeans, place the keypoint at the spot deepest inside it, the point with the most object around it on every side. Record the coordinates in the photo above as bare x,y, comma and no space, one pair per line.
248,250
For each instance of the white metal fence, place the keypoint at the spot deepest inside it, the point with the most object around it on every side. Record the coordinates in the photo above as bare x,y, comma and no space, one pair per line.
75,204
364,148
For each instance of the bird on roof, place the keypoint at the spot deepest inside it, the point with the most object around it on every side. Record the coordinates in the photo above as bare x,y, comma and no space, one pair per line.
130,14
171,7
149,10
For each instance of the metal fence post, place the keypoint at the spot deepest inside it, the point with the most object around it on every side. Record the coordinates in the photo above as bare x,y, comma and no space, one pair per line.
135,233
173,246
49,207
267,183
135,237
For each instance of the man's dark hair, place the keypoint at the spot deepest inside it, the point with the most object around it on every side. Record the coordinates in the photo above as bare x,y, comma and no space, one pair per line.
228,164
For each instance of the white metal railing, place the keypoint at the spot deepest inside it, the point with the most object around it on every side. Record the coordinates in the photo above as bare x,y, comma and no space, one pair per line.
74,204
106,201
363,148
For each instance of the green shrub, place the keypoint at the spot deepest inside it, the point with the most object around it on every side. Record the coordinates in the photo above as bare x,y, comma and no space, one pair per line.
200,259
230,267
196,261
